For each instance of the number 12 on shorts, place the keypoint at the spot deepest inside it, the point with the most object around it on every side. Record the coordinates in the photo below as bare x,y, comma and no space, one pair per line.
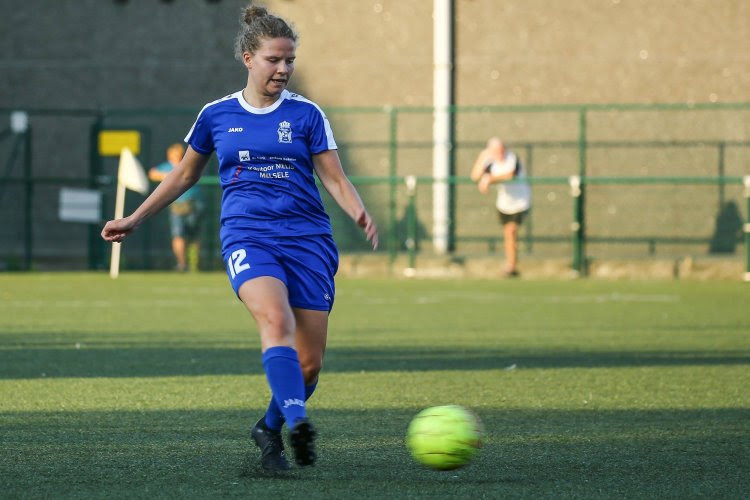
236,263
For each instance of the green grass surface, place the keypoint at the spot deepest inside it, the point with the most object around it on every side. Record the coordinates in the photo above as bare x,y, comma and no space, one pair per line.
145,387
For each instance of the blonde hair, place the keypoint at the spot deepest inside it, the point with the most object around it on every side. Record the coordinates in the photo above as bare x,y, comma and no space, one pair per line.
177,146
494,142
257,24
175,152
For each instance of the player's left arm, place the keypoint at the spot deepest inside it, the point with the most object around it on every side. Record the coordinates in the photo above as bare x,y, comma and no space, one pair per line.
331,174
156,175
484,158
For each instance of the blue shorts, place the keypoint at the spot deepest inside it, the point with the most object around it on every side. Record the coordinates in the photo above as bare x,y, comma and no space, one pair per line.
305,264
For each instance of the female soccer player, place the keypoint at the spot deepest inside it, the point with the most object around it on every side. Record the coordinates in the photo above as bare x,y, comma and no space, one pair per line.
276,237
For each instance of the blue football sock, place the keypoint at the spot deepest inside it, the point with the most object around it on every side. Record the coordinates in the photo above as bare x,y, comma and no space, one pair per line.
309,389
287,385
274,417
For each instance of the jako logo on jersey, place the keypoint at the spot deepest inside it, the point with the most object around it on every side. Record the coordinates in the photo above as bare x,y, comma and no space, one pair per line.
285,132
244,155
235,129
293,402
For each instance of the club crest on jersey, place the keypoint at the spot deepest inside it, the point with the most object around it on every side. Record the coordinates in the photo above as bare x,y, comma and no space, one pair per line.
244,155
285,132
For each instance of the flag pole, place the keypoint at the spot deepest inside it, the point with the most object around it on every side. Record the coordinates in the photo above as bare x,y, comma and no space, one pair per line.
114,264
130,175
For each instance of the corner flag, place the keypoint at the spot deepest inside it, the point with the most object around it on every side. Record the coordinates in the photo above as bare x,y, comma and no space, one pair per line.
130,175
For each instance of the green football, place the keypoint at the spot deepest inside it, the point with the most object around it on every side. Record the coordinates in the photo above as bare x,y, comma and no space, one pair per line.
444,437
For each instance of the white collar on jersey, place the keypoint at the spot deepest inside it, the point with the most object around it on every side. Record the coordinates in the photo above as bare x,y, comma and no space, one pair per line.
261,111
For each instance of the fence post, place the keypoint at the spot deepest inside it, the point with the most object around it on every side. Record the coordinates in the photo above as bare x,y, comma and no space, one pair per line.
529,218
392,172
721,169
579,230
96,244
746,181
582,142
577,227
21,126
411,225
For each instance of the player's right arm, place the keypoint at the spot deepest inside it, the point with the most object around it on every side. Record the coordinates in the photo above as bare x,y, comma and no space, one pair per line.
156,175
176,182
480,165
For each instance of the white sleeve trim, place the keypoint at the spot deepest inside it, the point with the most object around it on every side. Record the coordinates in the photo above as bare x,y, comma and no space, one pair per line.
329,131
230,96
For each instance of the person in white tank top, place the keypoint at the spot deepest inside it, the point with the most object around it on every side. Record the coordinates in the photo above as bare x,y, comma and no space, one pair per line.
496,165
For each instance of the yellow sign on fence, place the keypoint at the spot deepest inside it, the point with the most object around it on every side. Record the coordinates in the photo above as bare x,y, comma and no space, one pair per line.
111,142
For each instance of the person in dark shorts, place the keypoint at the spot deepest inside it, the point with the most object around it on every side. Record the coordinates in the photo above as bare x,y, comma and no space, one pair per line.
184,213
496,165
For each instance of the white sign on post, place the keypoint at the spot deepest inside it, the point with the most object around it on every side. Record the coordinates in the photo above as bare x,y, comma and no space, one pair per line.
80,205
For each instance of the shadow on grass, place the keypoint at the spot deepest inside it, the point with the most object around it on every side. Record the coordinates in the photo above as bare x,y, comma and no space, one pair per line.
143,360
207,453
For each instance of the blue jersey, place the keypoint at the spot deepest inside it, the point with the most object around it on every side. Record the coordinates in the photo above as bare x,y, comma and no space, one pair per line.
265,164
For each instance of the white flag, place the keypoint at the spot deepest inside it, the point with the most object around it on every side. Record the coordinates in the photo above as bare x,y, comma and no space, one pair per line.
130,173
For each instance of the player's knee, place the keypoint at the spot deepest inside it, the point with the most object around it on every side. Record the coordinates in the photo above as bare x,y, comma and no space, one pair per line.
276,326
311,366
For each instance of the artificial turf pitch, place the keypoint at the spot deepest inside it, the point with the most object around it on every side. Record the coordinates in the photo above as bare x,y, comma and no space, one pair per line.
146,387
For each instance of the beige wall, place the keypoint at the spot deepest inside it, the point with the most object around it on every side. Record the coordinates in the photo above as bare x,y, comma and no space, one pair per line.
367,52
603,51
363,52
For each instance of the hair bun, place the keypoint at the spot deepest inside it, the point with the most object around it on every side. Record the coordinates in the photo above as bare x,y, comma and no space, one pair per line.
256,25
254,12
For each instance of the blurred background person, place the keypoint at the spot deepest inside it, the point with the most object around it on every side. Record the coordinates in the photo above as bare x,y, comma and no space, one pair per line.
496,165
184,214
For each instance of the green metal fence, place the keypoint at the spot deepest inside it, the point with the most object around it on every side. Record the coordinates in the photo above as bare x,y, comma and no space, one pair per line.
637,180
577,224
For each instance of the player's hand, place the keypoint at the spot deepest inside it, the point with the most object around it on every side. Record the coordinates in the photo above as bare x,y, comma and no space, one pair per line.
116,230
370,228
484,184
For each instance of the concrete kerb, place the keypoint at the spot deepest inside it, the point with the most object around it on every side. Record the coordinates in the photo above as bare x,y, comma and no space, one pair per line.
491,267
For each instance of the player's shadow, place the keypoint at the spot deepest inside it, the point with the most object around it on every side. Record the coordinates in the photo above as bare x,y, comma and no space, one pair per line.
144,360
728,230
526,452
492,358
